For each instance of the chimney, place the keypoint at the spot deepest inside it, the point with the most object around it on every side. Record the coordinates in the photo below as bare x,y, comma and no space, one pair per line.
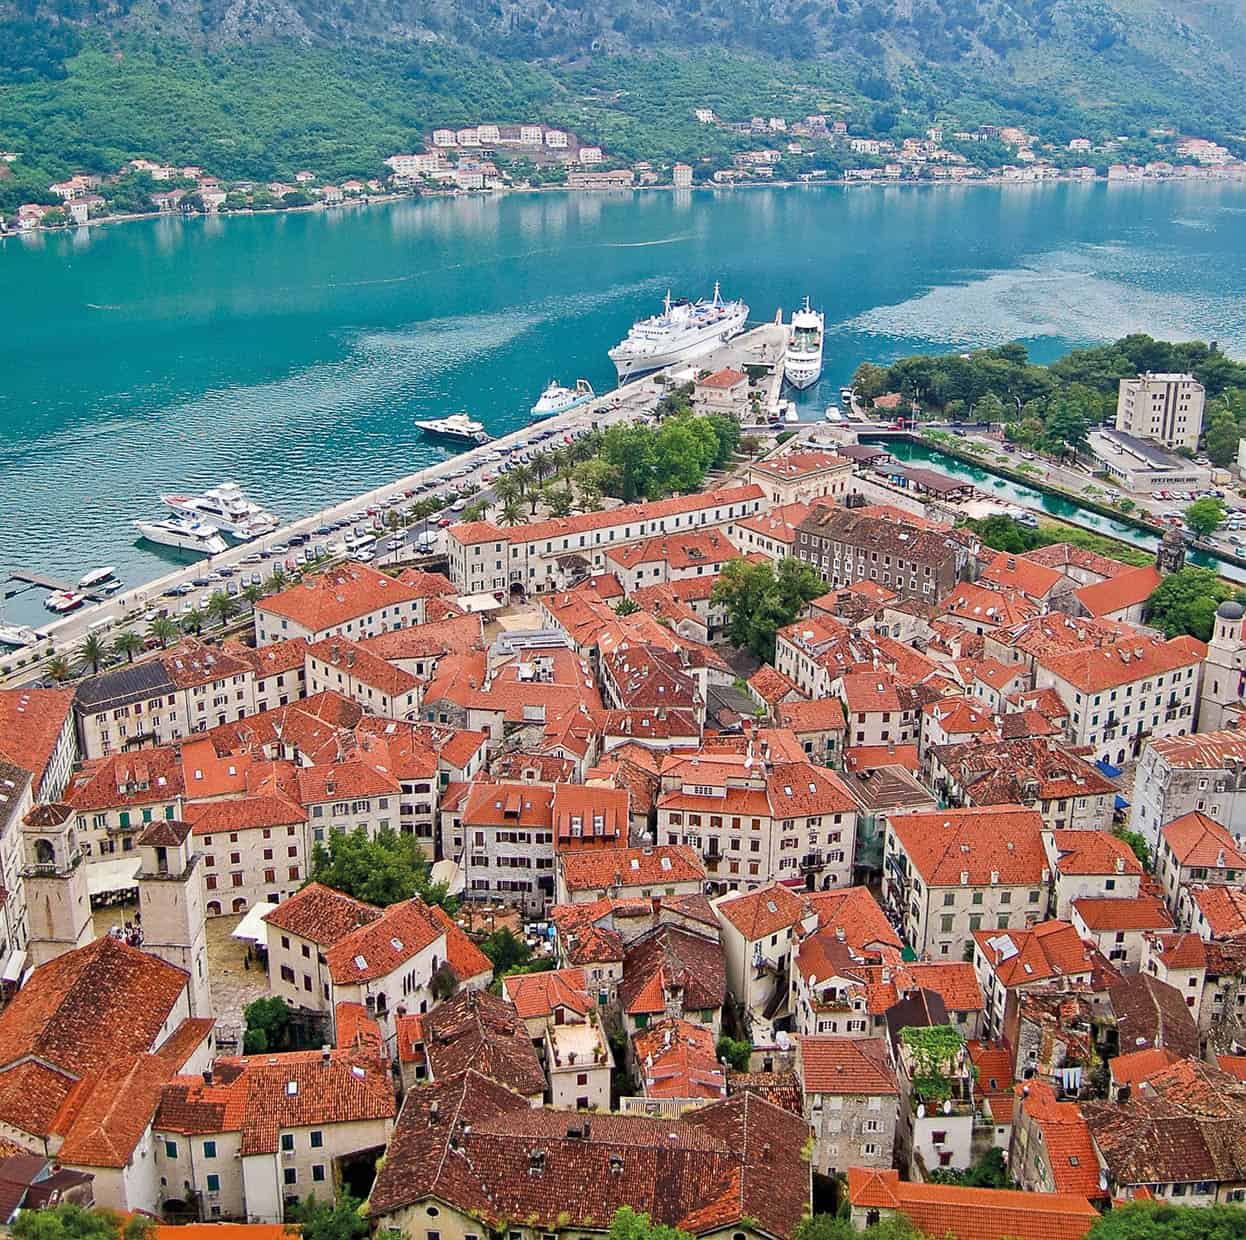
207,1076
325,1052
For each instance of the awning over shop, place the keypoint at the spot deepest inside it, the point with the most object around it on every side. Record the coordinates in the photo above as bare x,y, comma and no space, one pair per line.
117,874
253,927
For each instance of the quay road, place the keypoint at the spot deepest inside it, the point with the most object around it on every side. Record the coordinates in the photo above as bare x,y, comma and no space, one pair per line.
134,607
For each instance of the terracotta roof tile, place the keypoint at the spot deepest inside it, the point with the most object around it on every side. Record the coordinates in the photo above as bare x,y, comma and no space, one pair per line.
1093,852
1139,913
1024,957
603,868
678,1059
325,600
763,912
381,945
672,958
1197,840
845,1066
477,1030
538,994
1000,840
321,914
1137,658
31,722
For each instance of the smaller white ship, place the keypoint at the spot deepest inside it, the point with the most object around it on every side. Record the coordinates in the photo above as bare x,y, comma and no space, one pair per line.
17,635
63,601
457,427
183,533
226,508
802,363
99,579
557,399
845,397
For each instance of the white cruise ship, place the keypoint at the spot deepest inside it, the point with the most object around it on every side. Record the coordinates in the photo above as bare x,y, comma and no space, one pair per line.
458,427
184,533
557,399
684,330
226,508
802,363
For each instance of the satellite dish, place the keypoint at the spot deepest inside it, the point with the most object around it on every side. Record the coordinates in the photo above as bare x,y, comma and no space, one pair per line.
947,1106
921,1111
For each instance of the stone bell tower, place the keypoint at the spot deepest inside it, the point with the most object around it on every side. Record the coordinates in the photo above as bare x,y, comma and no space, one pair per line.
1224,670
171,905
58,906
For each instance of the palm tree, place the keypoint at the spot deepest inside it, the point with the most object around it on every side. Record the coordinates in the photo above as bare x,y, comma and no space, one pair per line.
221,607
58,668
164,629
192,621
93,652
506,489
586,447
511,512
276,581
522,476
127,644
559,500
560,462
542,464
253,593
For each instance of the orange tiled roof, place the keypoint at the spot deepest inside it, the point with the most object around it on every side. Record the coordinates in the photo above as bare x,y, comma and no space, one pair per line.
1023,957
357,662
321,914
857,913
679,1060
761,913
1197,840
824,715
1138,1066
336,596
1012,572
244,814
1066,1139
1093,852
973,1213
538,994
590,869
832,1065
381,945
1000,840
1223,908
1137,658
31,722
1139,913
463,956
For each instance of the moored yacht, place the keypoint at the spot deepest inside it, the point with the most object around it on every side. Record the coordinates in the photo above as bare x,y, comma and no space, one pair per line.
802,363
557,399
684,330
98,578
226,508
63,601
183,533
457,427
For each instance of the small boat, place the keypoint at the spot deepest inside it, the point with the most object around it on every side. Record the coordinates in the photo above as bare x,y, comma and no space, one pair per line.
790,415
458,427
845,396
63,601
557,399
97,577
833,414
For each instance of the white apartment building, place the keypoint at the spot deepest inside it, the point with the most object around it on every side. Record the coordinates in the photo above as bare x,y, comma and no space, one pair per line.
1204,772
350,600
1122,695
251,1137
754,821
355,672
1166,408
549,555
508,849
1090,864
188,688
950,873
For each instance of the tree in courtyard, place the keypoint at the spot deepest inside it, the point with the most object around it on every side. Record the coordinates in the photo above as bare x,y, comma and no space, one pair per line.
759,601
1204,515
736,1053
626,607
164,629
627,1224
1137,844
512,513
92,652
267,1026
1186,602
1158,1220
990,1171
559,500
324,1220
126,645
506,951
382,870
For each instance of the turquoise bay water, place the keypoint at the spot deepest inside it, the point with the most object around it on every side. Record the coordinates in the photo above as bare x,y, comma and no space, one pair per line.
293,352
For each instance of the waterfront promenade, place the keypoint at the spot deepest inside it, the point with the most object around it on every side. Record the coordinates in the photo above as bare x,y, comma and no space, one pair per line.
128,609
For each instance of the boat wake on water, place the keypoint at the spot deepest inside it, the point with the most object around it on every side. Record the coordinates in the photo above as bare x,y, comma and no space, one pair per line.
636,245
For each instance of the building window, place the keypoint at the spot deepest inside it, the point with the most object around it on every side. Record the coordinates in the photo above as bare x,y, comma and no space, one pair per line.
317,1139
170,1149
214,1183
318,1173
291,1175
209,1149
287,1141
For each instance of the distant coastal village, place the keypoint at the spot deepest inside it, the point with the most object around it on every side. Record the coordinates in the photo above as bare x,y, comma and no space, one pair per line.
487,158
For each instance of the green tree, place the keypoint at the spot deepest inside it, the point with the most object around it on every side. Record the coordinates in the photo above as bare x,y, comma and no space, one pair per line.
267,1026
870,381
1223,434
512,513
1137,845
476,511
989,409
92,652
192,621
832,1227
759,601
1204,515
221,607
506,951
559,500
736,1053
66,1222
990,1171
58,669
506,488
626,607
627,1224
1157,1220
383,870
126,645
324,1220
164,629
1186,602
253,593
